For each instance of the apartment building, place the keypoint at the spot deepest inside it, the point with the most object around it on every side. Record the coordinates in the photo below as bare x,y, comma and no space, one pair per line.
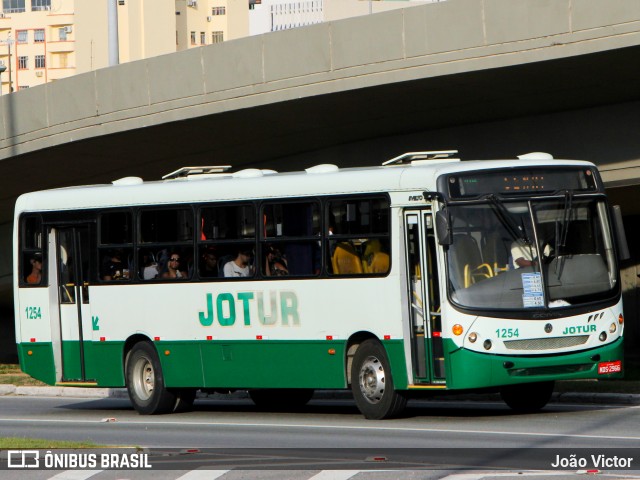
273,15
46,40
37,42
203,22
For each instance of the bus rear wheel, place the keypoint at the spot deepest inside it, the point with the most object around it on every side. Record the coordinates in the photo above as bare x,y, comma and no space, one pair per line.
145,382
372,383
527,397
281,398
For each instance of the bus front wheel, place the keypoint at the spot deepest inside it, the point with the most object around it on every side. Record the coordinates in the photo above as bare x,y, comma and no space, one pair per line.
145,382
372,384
527,397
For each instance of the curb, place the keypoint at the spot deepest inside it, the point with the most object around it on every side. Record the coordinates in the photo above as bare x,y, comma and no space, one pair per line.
79,392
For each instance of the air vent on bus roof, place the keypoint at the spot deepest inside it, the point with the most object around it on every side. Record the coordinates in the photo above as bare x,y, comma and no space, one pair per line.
416,158
536,156
253,173
322,168
126,181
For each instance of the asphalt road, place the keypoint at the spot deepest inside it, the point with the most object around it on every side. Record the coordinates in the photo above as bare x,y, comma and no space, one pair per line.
329,436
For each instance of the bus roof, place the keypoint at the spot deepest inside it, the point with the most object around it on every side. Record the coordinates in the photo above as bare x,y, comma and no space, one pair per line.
258,184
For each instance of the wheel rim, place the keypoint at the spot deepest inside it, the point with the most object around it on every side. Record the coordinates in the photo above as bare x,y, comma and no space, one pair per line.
143,378
372,380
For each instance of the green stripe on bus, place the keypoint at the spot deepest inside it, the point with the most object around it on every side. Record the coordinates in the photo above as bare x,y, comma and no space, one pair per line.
467,369
216,364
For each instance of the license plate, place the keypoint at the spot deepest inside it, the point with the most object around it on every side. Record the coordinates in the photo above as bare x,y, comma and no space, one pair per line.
609,367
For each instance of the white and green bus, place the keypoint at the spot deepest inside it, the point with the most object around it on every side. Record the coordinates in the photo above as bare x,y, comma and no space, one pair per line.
391,281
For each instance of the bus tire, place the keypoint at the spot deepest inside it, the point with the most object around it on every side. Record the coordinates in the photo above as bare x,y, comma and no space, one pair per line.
372,383
527,397
281,398
145,382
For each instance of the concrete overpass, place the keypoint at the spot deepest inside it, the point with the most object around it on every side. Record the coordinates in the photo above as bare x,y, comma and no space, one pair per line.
492,78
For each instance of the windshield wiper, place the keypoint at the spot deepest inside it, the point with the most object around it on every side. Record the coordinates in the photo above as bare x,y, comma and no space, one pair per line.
515,230
566,220
561,241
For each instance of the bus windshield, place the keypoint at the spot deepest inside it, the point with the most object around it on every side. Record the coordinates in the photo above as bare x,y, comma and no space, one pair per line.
533,254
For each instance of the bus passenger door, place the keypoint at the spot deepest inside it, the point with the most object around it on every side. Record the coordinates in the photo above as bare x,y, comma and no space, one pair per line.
427,353
72,274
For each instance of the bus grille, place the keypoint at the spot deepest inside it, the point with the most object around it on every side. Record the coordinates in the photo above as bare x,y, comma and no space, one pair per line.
546,343
551,370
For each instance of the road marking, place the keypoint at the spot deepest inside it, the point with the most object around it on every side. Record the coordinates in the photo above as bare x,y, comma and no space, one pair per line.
335,475
75,474
202,475
377,428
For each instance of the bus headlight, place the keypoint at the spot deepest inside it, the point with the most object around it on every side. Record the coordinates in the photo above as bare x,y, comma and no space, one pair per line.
487,344
473,336
612,328
603,336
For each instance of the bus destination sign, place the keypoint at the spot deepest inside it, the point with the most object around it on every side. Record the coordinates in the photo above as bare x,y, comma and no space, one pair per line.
521,182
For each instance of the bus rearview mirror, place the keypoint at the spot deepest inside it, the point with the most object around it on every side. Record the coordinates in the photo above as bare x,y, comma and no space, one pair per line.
621,237
443,228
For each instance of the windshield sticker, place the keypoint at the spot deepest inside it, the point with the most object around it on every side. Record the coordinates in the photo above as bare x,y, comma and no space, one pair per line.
532,290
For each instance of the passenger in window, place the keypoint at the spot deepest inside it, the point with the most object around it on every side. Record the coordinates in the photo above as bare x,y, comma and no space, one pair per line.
275,263
114,269
209,265
35,277
240,266
173,268
149,267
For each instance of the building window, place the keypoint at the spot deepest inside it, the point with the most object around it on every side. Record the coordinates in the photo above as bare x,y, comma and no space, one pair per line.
219,11
40,5
63,60
23,62
193,38
217,37
22,36
13,6
40,61
202,38
62,34
38,35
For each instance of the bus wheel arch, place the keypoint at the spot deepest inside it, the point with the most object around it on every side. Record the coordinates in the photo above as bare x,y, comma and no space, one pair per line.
353,344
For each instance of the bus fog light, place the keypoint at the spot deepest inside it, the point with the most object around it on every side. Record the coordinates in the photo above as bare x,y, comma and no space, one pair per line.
612,328
457,329
487,345
603,336
473,337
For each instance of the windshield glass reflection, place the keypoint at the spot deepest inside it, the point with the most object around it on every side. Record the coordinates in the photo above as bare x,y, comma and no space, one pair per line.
536,254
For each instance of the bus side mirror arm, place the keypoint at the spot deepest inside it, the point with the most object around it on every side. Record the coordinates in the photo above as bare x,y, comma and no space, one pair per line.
618,230
443,228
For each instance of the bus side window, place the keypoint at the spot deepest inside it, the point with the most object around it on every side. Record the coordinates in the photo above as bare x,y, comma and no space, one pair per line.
357,231
116,246
33,265
224,231
292,229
